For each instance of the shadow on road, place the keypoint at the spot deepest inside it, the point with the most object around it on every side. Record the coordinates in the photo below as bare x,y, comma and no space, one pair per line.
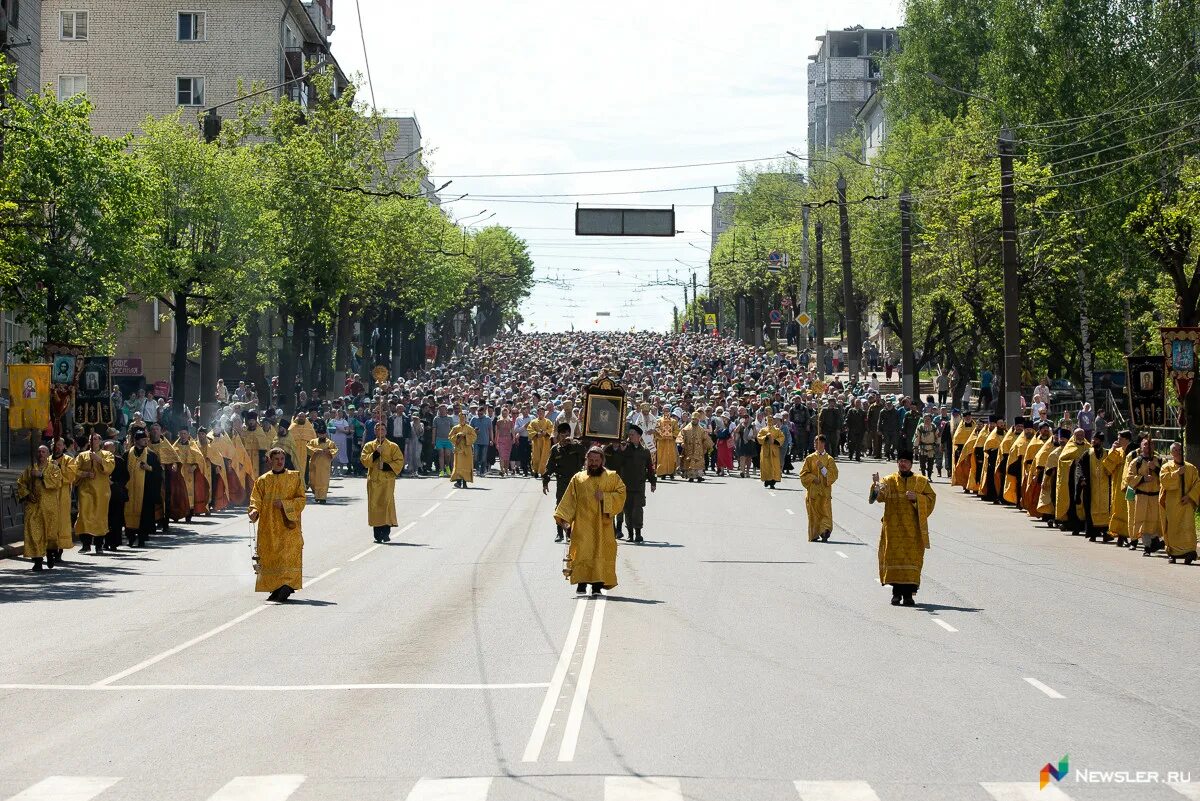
306,602
620,599
71,581
406,544
752,562
650,544
943,608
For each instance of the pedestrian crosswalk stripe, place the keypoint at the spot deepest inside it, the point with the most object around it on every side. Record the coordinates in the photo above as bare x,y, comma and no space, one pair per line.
1188,791
835,791
642,788
259,788
473,789
66,788
1023,791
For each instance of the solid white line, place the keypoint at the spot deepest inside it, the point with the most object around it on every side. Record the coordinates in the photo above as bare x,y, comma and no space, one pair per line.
430,509
364,553
154,660
566,752
944,625
451,494
537,738
1050,691
259,788
66,788
642,788
324,575
471,789
836,791
789,511
1188,791
270,688
1023,791
839,553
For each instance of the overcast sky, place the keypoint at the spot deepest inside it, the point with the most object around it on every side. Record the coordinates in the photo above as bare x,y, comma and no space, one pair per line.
535,87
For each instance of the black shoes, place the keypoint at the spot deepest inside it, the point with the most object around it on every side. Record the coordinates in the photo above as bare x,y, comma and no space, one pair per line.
908,600
596,587
637,537
621,536
895,599
581,589
37,565
825,536
559,537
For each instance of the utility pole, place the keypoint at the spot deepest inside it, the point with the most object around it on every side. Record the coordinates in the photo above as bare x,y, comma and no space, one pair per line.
820,300
803,270
1011,400
696,318
911,381
683,324
853,328
674,318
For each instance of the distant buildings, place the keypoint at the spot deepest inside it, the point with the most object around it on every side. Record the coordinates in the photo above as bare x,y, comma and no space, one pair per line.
843,76
407,149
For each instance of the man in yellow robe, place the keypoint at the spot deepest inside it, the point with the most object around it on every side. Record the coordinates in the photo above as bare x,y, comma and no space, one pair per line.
301,432
978,460
1121,455
92,470
770,440
37,491
1178,497
463,436
1068,508
541,435
592,499
383,460
257,441
321,451
145,478
242,464
1030,480
988,491
276,504
63,538
696,444
907,500
962,454
193,467
1093,481
1007,442
665,454
1048,462
221,447
1145,515
818,473
285,441
169,460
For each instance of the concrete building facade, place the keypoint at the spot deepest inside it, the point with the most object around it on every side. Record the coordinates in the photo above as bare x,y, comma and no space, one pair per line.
872,126
406,150
21,22
842,75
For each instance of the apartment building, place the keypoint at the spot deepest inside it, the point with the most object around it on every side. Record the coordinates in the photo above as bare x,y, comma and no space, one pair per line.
407,150
844,73
20,34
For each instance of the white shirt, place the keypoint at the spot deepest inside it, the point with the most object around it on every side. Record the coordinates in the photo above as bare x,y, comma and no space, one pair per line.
149,410
520,426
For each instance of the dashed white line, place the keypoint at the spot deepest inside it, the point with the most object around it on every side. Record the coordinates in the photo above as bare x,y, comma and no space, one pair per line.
324,575
944,624
268,688
467,789
772,494
451,494
835,791
789,511
1050,691
66,788
406,528
537,737
1188,791
364,553
839,553
259,788
427,512
566,753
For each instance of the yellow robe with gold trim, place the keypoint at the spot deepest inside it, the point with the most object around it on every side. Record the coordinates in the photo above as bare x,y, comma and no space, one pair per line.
301,433
93,492
962,453
320,465
1145,515
696,444
1178,497
191,459
1067,457
541,437
1049,460
665,434
280,540
381,484
592,554
62,533
463,436
770,466
39,496
1118,523
818,500
905,534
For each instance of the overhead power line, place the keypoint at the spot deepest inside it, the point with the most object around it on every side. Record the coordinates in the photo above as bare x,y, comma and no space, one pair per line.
617,169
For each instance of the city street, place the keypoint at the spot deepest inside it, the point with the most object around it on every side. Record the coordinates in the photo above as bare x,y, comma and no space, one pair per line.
735,660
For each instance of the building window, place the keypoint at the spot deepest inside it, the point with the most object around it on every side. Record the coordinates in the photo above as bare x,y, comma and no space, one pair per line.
14,13
74,25
191,26
71,85
189,91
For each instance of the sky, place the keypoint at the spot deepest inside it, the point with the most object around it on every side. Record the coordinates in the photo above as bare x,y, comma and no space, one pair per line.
528,86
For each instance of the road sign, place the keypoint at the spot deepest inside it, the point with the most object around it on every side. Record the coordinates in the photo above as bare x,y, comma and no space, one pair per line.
804,318
776,260
776,316
710,320
624,222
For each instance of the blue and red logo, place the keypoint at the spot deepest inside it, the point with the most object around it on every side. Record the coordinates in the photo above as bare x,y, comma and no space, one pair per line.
1049,770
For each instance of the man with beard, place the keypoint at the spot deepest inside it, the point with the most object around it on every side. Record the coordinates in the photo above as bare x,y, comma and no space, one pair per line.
257,441
321,451
566,459
770,441
696,443
990,448
37,490
1178,496
145,488
276,504
1121,455
1006,463
587,508
169,459
384,461
92,469
632,462
1047,463
193,469
1093,473
1145,516
1068,509
60,538
908,501
817,474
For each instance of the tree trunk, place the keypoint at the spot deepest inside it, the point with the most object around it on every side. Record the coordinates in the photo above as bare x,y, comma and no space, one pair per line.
210,368
179,387
345,325
322,356
287,362
251,347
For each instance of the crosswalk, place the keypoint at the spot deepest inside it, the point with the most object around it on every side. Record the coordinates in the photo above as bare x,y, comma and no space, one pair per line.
281,787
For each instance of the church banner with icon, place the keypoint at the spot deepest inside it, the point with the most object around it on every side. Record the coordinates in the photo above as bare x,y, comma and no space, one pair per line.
1179,347
29,390
1147,389
93,397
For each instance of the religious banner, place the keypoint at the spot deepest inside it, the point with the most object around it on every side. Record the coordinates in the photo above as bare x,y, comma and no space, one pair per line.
66,359
1147,390
63,372
603,410
93,398
1179,346
29,391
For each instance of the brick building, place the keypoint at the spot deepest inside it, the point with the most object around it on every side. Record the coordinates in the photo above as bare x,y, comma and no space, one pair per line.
843,74
21,24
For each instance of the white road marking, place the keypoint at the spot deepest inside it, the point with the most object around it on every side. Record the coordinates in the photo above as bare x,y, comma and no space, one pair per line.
642,788
430,509
364,553
944,624
836,791
537,738
406,528
270,688
324,575
789,511
259,788
1187,790
471,789
566,753
839,553
1023,791
66,788
772,494
1050,691
451,493
154,660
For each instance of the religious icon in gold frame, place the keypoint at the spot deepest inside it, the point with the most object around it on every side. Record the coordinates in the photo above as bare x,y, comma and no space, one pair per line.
603,411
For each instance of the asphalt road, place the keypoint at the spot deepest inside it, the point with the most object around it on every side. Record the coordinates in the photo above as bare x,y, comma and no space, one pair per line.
735,660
